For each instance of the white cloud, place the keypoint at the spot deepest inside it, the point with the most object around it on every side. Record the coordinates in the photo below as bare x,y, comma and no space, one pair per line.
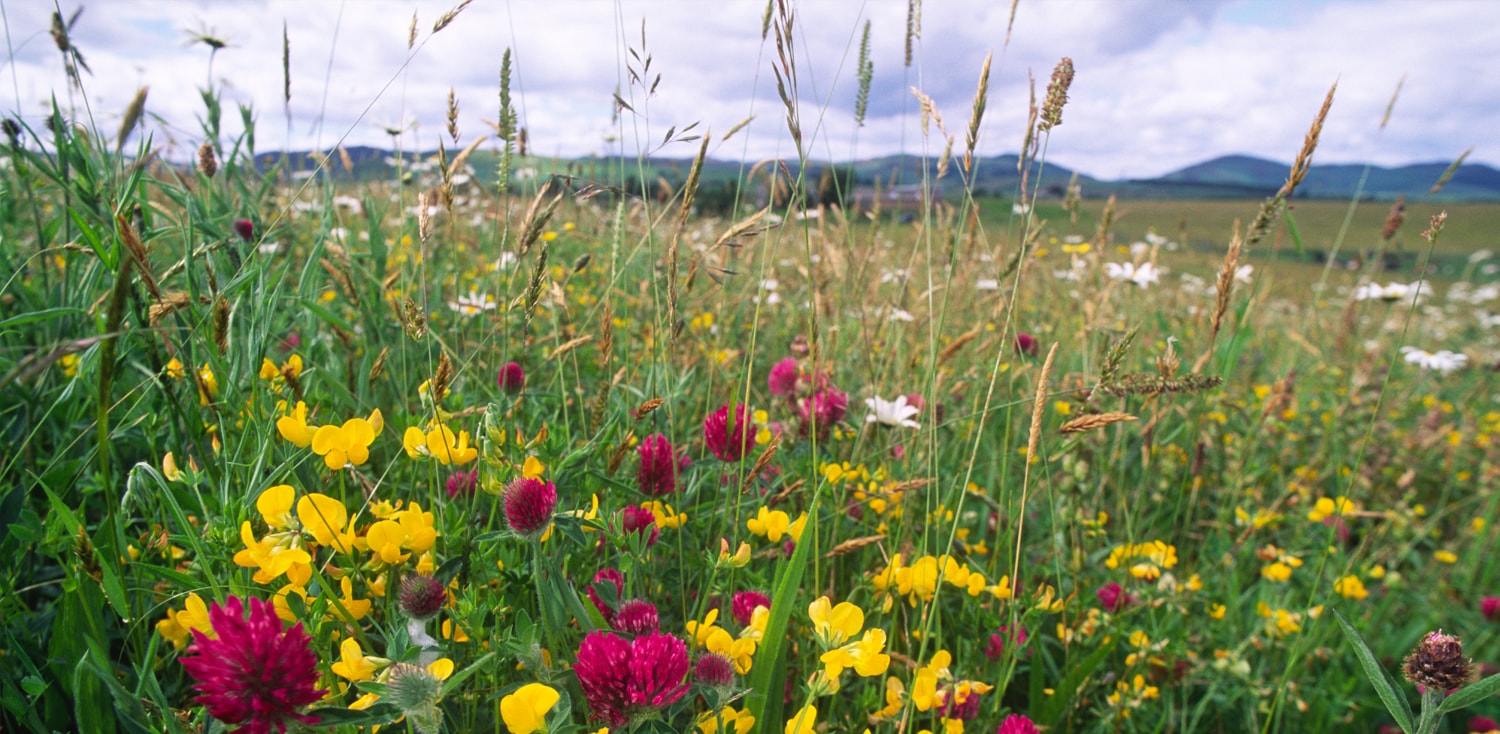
1159,85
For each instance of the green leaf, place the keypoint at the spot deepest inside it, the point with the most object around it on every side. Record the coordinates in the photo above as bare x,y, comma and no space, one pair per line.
1471,694
451,685
1056,706
381,713
1291,229
1384,684
42,315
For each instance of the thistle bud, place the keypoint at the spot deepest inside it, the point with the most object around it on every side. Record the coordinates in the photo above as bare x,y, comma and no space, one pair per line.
422,597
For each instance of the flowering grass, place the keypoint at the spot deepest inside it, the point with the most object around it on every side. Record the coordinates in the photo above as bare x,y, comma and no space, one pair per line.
558,457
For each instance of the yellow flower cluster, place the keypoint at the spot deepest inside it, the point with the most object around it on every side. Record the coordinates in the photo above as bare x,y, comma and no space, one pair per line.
340,446
440,443
740,650
1149,558
835,627
920,579
1131,695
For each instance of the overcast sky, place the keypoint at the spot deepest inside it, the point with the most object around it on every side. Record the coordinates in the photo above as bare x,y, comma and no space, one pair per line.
1160,84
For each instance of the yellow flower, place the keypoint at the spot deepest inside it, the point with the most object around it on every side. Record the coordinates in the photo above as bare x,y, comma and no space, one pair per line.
169,468
275,505
1325,508
209,383
802,722
357,608
525,711
271,557
355,666
739,559
666,517
532,468
771,524
1350,587
386,539
834,624
865,656
293,426
1217,611
174,633
175,370
738,722
327,519
345,445
420,534
1444,556
1276,572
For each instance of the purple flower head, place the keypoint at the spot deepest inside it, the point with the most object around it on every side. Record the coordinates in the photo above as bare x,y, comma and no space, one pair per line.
1482,725
462,483
1016,724
744,604
639,519
659,466
528,506
998,641
622,680
512,378
245,229
422,597
783,377
714,671
729,439
606,609
1027,344
825,408
636,617
256,673
1490,608
1114,598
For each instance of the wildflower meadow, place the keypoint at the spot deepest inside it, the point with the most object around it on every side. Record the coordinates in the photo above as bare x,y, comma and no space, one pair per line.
479,443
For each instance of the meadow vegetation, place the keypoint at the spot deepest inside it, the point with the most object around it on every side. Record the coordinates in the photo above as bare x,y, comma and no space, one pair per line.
457,451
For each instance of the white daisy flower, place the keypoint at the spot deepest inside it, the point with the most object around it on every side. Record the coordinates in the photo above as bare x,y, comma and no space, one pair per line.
892,413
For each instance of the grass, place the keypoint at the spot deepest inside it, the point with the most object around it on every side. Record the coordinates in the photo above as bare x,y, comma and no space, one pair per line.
1128,520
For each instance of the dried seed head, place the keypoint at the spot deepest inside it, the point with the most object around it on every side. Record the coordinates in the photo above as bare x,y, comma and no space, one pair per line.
1057,95
1438,663
208,165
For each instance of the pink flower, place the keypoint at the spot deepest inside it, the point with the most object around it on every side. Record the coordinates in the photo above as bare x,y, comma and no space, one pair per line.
1016,724
1482,725
639,519
245,229
636,617
606,609
1490,608
622,680
744,604
512,378
783,377
1027,344
528,506
996,647
825,408
255,673
462,483
729,440
1113,597
659,466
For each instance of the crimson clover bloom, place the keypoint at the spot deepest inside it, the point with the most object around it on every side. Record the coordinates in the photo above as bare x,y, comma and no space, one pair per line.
1490,608
636,617
714,670
528,506
744,603
1027,344
729,440
462,483
622,680
641,520
512,378
1016,724
825,408
245,229
659,466
607,609
1114,597
256,673
783,377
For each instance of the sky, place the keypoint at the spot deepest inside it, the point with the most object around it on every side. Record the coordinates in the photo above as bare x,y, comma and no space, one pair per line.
1159,85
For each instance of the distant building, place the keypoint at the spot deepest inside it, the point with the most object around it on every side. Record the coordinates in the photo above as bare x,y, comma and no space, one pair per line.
903,198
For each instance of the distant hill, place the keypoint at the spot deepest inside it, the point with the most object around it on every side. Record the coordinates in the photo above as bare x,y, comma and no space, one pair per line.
1231,176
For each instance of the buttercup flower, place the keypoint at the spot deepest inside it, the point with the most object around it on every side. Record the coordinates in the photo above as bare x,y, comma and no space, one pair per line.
256,673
